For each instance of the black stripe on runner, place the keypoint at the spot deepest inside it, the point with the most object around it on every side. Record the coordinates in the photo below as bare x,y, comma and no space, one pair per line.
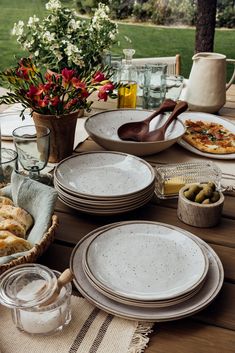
100,334
81,334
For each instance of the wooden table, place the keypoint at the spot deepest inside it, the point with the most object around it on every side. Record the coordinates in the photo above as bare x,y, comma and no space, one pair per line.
213,329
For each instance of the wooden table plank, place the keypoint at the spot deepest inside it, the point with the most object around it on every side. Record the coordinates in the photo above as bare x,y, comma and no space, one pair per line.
186,336
227,257
228,208
220,312
222,234
227,111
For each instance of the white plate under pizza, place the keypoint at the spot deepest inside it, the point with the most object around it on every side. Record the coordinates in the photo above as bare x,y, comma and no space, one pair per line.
208,135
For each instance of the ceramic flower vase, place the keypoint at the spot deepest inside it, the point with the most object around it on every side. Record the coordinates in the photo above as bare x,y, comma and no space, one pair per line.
62,135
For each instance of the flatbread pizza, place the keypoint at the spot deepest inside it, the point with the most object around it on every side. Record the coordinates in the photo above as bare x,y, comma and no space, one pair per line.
209,137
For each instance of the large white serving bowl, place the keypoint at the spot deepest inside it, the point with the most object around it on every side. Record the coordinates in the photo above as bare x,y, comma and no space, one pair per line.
102,127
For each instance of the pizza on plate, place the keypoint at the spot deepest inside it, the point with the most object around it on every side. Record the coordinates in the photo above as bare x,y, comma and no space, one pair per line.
209,137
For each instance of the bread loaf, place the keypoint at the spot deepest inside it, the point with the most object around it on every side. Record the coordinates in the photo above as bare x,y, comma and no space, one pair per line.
18,214
10,244
5,201
13,226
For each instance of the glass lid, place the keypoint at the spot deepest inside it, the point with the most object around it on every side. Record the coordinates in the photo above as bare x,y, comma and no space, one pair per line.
26,286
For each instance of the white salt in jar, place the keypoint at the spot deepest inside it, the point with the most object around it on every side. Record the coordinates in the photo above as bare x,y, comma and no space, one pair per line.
25,288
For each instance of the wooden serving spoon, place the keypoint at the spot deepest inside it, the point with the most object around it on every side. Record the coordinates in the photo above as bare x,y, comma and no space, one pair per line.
136,130
159,134
62,280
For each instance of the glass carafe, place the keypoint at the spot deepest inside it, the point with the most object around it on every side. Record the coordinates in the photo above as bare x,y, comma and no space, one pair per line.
128,82
128,71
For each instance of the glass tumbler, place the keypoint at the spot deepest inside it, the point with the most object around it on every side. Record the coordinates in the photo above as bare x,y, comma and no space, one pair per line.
142,79
174,85
8,164
116,65
33,146
25,288
155,82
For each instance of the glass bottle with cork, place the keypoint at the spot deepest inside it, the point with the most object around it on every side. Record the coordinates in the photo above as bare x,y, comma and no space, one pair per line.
127,91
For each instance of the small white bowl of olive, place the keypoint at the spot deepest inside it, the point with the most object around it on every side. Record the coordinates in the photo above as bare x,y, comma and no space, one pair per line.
200,205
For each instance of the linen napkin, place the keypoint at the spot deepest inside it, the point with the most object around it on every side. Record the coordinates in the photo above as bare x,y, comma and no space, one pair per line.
91,330
36,198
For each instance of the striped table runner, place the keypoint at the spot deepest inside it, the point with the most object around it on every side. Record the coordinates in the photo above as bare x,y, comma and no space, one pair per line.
91,330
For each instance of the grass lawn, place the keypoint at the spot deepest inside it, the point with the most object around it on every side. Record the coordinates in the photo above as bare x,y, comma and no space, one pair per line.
148,41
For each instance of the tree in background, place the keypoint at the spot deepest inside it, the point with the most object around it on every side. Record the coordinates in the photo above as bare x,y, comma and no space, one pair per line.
225,13
163,12
205,25
119,9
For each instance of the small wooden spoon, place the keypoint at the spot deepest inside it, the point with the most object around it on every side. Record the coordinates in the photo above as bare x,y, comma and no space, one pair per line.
63,279
136,130
159,134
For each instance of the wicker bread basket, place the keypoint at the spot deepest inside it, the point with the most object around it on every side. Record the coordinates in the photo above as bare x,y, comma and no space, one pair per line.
36,250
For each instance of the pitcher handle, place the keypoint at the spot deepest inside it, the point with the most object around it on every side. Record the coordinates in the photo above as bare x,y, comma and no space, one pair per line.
232,61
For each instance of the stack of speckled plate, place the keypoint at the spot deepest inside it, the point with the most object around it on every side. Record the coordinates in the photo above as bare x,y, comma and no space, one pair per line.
146,270
104,183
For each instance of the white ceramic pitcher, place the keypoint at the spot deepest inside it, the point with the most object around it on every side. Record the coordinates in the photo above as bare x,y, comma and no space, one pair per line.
206,87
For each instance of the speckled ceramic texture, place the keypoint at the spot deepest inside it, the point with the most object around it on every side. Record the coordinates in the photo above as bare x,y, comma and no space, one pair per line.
209,291
104,203
102,127
96,200
143,303
145,261
110,210
104,174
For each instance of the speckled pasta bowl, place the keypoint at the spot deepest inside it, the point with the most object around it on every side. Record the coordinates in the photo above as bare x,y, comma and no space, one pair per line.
102,127
104,182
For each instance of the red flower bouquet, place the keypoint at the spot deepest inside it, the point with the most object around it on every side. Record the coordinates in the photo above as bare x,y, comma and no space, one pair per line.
52,93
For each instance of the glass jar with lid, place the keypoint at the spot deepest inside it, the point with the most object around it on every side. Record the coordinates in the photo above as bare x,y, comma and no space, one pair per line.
25,289
171,178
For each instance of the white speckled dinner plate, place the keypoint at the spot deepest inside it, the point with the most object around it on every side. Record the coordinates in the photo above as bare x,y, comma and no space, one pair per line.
144,260
199,301
103,174
143,303
10,121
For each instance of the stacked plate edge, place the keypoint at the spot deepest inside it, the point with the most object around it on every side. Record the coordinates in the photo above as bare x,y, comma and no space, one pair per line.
103,182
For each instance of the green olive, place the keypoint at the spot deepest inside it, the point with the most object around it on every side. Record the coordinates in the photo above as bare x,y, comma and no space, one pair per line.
189,194
200,196
192,191
208,191
211,185
215,197
206,202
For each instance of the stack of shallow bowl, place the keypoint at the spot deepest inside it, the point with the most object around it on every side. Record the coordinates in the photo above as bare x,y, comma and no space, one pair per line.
104,183
146,270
